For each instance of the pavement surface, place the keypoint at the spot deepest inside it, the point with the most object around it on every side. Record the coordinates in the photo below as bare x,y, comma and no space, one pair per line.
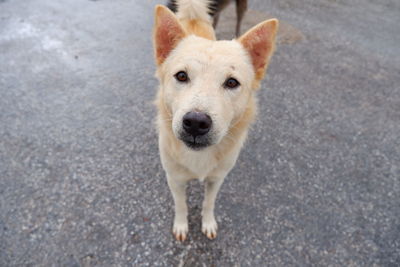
318,183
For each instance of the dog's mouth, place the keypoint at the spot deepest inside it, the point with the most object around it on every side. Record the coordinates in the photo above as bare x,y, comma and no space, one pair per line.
195,143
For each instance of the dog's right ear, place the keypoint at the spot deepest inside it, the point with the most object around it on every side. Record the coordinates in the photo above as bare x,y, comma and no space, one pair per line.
167,33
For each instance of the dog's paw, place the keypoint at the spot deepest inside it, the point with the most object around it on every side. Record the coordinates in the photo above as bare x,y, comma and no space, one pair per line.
209,228
180,231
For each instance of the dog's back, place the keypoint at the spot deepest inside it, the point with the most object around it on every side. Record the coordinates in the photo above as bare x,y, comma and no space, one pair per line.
194,17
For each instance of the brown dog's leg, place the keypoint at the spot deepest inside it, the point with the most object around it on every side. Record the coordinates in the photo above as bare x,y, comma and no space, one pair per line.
220,5
241,7
216,17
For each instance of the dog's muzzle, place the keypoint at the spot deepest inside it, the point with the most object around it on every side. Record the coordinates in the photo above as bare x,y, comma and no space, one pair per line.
196,126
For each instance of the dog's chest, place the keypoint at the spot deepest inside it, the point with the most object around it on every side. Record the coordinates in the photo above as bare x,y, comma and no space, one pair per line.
199,163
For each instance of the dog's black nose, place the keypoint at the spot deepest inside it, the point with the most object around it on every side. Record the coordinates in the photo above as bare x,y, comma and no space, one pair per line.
196,123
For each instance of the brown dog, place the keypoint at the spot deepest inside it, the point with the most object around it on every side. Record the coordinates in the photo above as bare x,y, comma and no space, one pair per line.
206,101
215,8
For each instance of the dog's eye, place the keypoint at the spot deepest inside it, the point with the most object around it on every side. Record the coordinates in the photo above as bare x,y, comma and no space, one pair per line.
182,76
231,83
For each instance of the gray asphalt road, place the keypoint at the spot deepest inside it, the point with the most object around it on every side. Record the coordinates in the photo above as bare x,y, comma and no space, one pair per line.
318,183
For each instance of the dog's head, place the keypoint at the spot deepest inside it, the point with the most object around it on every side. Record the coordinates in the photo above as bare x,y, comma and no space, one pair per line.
206,85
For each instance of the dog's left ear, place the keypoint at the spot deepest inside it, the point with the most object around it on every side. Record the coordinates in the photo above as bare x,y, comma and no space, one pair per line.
259,42
167,33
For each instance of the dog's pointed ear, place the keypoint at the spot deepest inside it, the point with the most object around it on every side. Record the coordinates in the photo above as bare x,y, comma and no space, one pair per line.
167,33
259,42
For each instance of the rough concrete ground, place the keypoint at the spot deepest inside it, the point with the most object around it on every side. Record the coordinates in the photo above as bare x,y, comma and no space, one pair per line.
318,183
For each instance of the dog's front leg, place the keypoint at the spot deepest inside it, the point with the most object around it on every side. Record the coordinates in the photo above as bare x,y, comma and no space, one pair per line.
209,224
178,190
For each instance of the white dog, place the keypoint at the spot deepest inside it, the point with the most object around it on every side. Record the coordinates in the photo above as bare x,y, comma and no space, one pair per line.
206,100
